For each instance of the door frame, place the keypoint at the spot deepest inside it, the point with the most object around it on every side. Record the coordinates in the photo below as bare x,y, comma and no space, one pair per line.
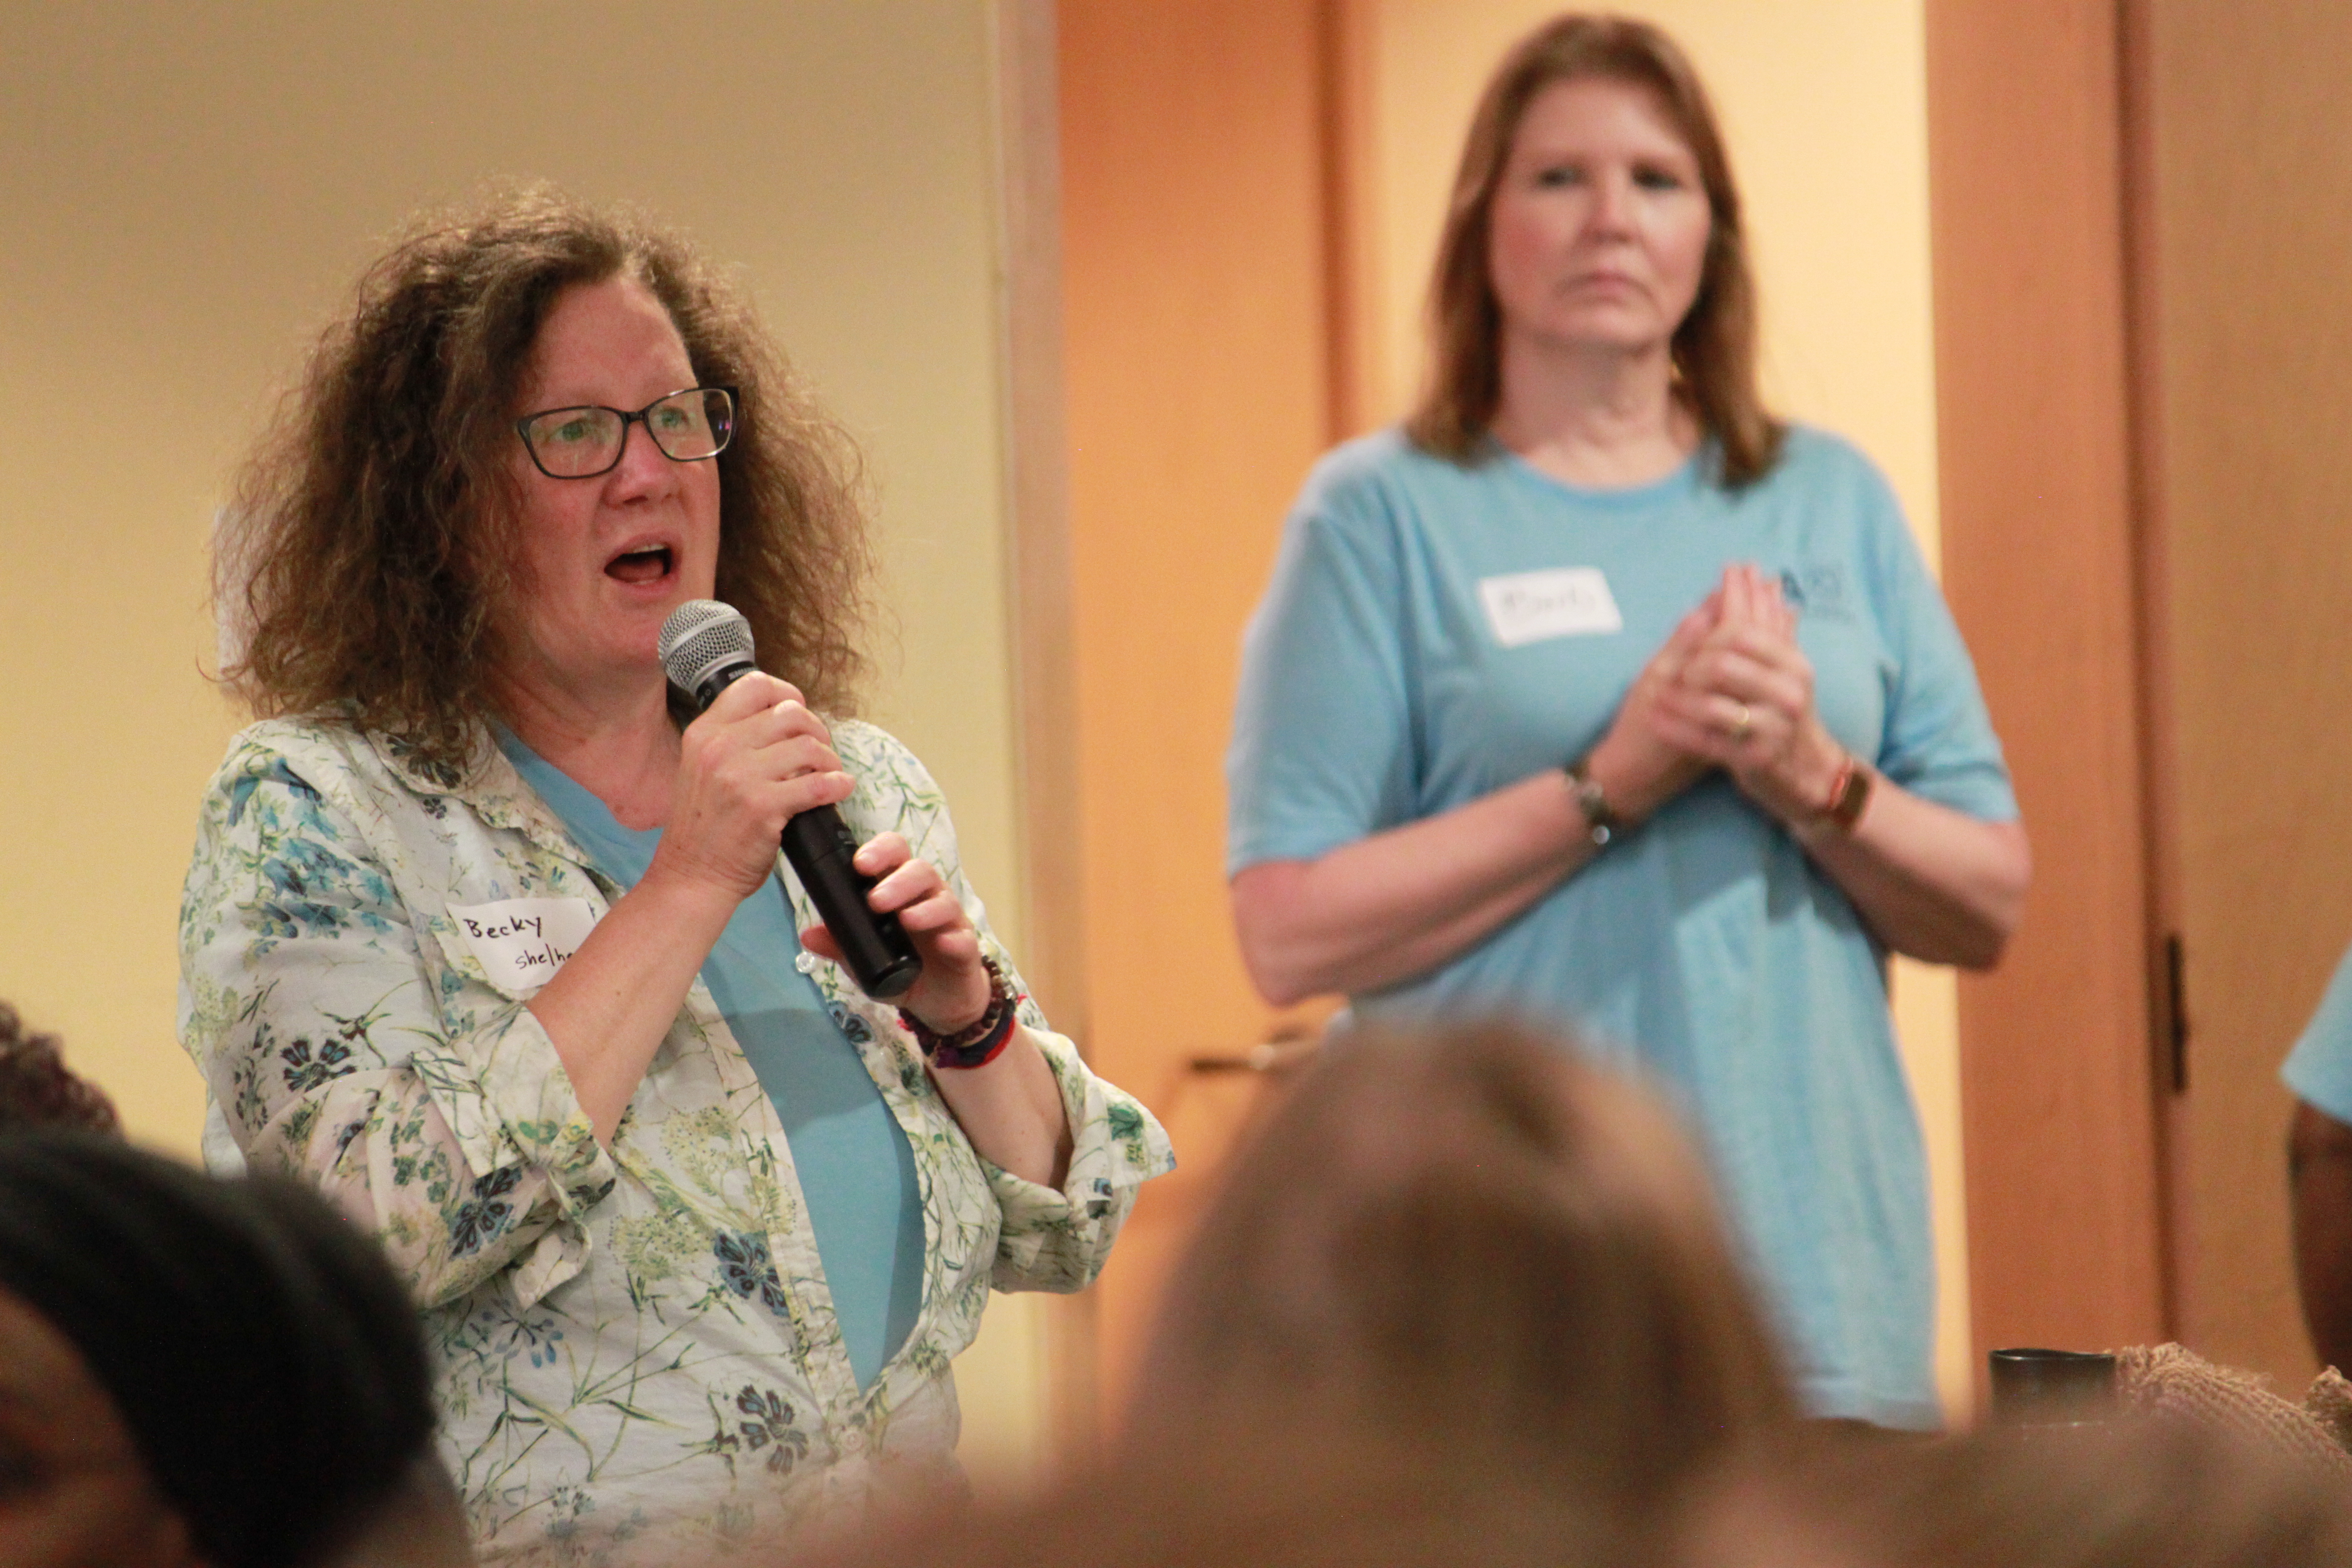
2046,405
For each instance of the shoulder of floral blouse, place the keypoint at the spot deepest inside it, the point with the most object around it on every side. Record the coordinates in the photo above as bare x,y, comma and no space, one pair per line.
321,761
375,777
327,752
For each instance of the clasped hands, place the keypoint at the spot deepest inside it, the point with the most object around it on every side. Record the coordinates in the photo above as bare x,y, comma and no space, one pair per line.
1729,689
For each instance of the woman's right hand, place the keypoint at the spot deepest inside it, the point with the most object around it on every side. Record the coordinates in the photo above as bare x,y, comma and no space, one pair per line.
744,768
755,759
1638,767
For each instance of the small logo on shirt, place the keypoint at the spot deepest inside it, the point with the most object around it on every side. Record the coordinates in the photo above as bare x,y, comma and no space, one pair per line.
1535,606
1816,588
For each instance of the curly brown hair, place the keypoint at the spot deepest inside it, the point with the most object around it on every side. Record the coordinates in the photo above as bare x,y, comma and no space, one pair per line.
37,1088
363,556
1714,348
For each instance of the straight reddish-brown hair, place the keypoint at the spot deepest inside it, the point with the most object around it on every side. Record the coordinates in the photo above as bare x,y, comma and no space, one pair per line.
1714,348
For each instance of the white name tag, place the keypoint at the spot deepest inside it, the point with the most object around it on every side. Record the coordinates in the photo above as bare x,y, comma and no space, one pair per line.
522,942
1566,602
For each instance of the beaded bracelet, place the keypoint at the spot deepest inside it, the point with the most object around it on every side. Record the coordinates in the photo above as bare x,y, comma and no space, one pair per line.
979,1043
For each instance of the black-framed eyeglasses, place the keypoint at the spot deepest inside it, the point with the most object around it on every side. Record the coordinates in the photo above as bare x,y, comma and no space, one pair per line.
581,443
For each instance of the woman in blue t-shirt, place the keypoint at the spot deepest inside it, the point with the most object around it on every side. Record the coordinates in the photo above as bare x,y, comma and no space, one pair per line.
1595,694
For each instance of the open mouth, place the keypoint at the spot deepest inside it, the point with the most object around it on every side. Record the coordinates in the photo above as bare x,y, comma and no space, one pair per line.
650,564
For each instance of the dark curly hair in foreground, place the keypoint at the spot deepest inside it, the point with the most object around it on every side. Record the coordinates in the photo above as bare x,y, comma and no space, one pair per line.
261,1351
36,1089
366,557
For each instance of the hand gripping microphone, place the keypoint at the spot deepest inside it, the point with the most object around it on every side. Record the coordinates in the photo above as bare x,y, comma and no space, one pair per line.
706,646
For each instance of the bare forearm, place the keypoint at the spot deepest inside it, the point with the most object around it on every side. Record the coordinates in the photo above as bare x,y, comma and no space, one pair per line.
609,1006
1931,882
1401,902
2320,1160
1012,1110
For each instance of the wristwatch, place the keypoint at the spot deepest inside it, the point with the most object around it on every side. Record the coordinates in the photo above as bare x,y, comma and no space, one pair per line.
1601,823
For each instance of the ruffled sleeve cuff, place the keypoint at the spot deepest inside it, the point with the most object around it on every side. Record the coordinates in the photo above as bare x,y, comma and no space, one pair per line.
508,1101
1057,1239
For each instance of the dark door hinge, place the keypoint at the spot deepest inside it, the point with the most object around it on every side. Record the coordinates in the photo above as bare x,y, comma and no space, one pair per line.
2176,1010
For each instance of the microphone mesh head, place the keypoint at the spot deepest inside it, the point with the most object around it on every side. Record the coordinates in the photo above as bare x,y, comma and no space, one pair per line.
701,638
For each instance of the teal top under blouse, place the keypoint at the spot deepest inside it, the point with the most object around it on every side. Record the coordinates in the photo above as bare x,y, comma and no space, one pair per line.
857,1172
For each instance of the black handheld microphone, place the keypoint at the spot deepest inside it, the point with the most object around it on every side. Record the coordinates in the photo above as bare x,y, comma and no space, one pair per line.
706,646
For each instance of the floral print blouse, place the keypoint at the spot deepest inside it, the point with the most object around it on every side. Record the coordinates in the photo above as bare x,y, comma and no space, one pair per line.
637,1352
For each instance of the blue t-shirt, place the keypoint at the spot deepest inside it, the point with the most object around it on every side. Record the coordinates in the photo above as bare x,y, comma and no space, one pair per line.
1404,663
2319,1069
857,1172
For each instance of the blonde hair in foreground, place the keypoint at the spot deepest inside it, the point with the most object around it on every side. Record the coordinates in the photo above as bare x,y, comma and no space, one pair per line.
1469,1238
2137,1493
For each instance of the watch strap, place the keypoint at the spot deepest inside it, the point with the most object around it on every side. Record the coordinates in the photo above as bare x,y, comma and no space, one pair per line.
1849,793
1602,822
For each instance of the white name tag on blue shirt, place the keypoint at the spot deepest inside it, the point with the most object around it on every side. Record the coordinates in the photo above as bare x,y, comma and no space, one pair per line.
522,942
1564,602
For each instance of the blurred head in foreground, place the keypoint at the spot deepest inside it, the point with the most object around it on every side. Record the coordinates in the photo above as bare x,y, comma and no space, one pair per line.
1467,1240
202,1371
1301,1496
36,1089
2163,1493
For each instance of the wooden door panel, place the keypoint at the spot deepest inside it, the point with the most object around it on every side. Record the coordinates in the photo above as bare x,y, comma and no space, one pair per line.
1198,370
2066,1235
2253,199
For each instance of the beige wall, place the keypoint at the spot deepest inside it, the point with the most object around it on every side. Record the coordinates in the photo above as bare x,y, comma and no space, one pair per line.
189,190
1824,103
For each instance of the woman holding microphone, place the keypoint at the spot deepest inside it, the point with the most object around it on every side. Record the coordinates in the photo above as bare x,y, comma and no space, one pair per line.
486,939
